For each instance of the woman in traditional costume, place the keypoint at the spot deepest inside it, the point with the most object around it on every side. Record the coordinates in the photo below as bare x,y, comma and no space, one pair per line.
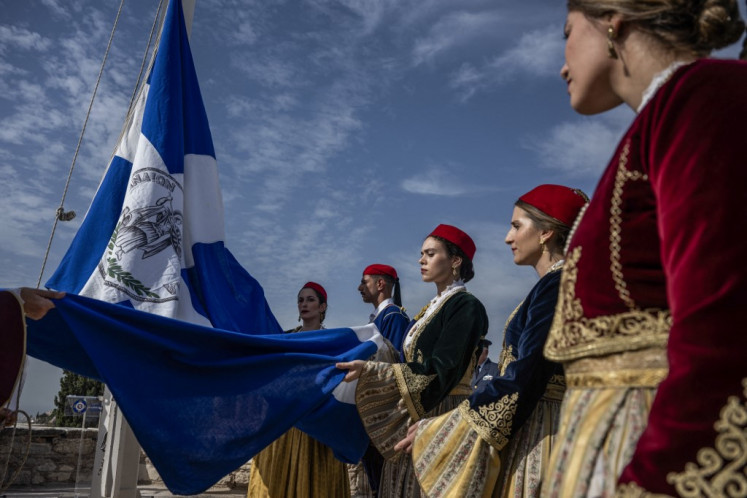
439,350
295,464
654,285
498,442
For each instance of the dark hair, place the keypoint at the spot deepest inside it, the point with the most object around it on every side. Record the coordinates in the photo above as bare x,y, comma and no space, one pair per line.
466,271
322,300
393,283
694,26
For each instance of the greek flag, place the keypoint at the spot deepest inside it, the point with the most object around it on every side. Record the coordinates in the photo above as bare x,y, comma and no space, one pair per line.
202,401
160,310
153,238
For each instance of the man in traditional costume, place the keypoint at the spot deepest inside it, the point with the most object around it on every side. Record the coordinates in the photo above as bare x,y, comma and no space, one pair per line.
380,287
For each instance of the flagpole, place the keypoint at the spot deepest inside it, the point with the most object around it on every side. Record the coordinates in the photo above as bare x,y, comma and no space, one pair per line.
189,12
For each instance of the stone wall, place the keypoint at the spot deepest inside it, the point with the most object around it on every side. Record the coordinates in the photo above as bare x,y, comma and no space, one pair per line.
53,458
52,454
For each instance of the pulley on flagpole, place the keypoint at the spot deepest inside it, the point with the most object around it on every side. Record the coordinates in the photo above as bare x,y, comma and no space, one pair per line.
61,214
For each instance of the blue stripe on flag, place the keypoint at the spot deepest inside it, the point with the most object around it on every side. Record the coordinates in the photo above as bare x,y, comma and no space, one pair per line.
93,236
233,300
175,121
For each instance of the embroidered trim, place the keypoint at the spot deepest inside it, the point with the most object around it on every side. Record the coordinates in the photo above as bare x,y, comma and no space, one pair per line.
574,336
623,176
555,388
719,471
411,385
507,357
576,223
419,356
632,490
420,325
629,378
492,422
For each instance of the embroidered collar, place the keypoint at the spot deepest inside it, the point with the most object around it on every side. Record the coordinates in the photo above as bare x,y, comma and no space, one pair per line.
658,81
429,310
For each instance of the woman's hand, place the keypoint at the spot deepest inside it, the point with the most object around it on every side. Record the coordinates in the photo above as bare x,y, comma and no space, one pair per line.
354,369
36,302
406,444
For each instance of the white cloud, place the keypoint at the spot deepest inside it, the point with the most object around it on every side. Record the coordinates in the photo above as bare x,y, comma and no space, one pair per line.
538,53
23,39
584,146
441,181
453,30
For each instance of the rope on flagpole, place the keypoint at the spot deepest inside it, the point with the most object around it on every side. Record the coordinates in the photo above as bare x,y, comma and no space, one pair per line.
145,57
4,485
61,214
157,23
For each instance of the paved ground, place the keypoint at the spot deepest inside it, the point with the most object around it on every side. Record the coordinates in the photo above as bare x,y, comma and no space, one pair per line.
146,491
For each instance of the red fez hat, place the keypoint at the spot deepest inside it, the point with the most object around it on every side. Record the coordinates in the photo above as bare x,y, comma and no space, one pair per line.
316,287
562,203
456,237
378,269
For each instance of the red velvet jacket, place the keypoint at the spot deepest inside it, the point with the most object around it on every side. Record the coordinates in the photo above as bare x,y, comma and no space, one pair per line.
659,258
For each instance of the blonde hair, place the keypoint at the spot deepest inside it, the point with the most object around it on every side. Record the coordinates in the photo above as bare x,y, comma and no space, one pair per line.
543,221
694,26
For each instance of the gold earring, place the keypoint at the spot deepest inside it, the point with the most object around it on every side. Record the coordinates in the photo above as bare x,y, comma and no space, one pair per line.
610,46
543,249
454,272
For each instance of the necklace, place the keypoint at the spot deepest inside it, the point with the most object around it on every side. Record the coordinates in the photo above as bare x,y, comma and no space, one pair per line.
556,266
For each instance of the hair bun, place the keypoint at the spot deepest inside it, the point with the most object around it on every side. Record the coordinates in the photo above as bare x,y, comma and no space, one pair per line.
719,24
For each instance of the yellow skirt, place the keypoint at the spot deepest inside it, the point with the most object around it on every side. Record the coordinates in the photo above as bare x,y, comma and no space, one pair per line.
599,430
297,466
451,459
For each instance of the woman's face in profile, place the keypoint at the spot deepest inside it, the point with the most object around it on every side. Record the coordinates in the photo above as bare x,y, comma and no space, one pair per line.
588,68
524,238
309,306
435,263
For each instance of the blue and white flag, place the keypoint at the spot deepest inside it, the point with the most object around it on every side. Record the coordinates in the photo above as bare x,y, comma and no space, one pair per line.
154,235
199,366
203,401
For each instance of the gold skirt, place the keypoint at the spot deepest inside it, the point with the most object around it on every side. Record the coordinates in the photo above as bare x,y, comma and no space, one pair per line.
452,459
297,466
604,412
398,479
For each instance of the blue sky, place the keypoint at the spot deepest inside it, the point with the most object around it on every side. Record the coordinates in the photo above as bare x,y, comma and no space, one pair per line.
345,130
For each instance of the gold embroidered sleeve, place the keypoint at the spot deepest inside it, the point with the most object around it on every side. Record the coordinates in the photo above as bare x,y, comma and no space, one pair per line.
381,407
451,459
492,422
411,385
720,470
